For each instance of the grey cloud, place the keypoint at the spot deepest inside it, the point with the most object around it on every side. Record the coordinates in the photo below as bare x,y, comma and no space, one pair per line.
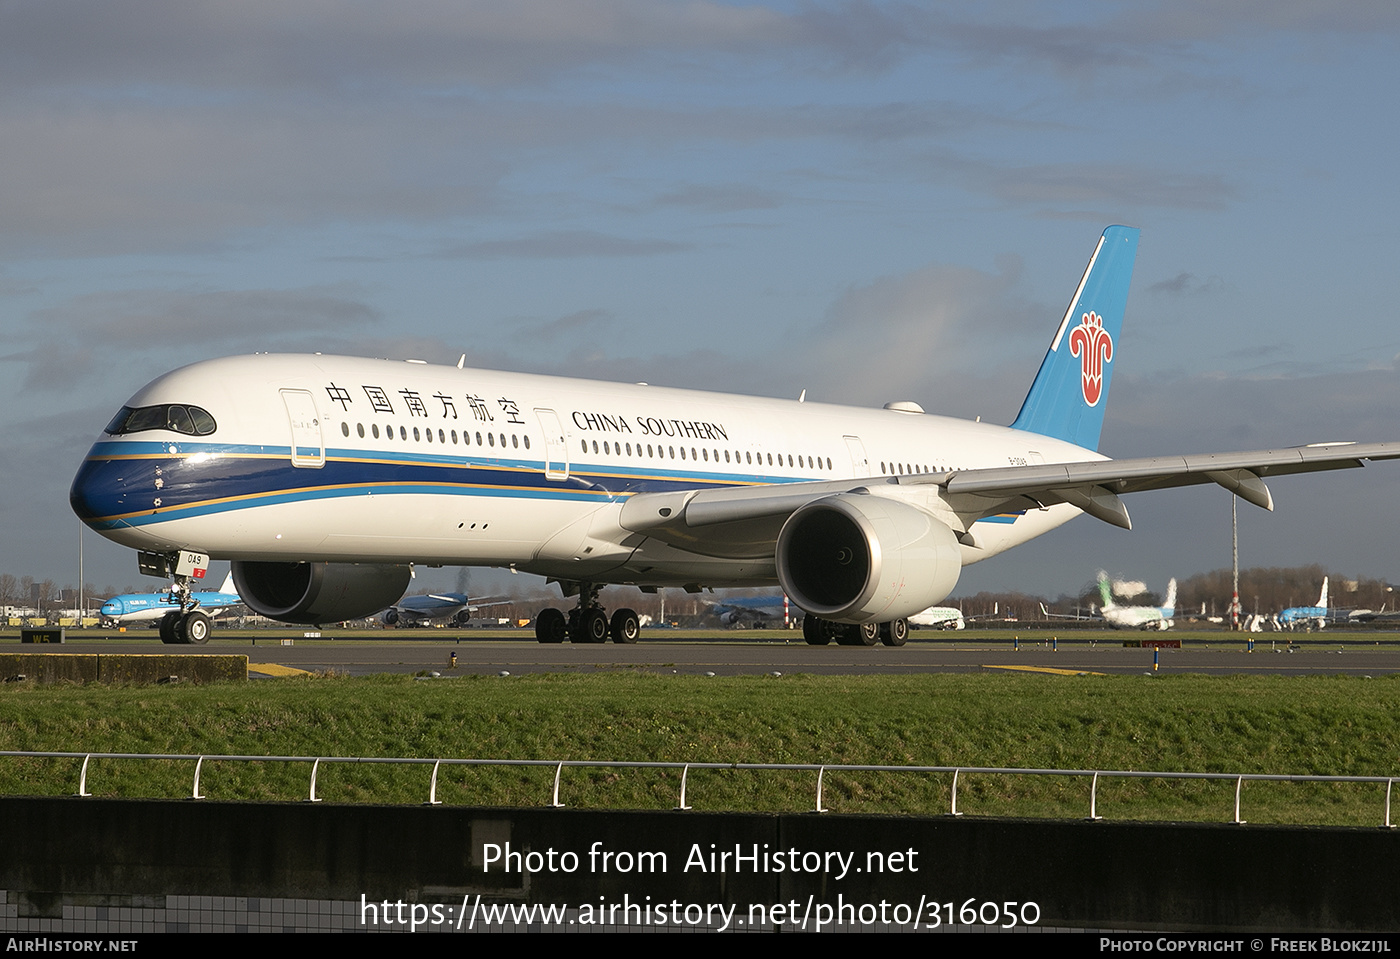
1192,20
720,198
122,181
902,336
563,244
360,49
580,323
1187,284
1114,185
100,330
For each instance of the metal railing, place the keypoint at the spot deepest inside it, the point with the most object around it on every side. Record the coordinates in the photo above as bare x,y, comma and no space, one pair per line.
820,769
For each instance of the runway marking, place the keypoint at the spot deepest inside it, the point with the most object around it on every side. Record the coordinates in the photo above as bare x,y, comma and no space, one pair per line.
273,669
1037,669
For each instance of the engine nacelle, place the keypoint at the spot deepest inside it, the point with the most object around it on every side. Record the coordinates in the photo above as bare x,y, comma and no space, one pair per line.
314,593
859,558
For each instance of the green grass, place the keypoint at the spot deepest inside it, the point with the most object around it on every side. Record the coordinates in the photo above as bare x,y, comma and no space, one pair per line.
1302,725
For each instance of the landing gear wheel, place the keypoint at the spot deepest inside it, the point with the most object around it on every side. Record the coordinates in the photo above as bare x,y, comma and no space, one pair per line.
895,632
194,628
814,631
625,627
591,626
167,628
866,634
551,626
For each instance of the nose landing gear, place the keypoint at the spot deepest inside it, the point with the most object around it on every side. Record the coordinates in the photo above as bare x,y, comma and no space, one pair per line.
186,623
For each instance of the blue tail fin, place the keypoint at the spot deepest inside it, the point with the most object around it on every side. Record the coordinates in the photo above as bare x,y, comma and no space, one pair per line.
1069,394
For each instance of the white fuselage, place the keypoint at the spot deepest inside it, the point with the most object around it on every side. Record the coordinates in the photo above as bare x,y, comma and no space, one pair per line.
1137,617
343,459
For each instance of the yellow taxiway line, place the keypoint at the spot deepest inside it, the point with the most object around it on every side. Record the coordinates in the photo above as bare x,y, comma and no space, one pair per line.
1035,669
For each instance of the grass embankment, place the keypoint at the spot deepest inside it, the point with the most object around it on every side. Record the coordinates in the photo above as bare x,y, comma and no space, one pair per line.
1312,725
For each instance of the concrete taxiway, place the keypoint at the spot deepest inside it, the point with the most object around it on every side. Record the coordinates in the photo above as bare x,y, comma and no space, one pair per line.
466,652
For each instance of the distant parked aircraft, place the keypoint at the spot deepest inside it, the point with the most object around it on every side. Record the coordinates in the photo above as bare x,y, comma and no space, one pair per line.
433,607
1304,617
758,610
1136,617
132,608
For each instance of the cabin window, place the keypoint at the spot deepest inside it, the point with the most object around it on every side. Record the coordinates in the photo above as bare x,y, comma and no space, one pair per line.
527,442
374,430
344,428
360,428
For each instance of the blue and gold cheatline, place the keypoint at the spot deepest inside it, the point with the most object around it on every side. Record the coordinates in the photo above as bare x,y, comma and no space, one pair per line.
135,484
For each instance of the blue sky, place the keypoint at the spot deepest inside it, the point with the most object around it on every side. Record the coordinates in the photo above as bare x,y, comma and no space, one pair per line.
869,201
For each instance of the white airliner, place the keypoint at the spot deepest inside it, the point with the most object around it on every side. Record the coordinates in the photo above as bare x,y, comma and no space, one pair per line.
1137,617
939,617
324,478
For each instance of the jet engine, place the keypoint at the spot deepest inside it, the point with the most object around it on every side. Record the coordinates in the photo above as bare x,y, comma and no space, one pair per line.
859,558
314,593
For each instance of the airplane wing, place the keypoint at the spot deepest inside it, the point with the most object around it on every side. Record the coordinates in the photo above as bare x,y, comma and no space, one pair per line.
488,603
965,496
1071,616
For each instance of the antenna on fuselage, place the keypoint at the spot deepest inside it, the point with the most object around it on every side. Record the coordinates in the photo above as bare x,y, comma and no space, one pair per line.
802,398
461,364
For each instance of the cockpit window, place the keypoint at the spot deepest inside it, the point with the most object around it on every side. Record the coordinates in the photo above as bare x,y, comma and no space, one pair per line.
190,420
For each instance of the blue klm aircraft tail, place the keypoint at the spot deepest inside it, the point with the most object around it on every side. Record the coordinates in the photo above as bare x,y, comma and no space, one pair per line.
1069,394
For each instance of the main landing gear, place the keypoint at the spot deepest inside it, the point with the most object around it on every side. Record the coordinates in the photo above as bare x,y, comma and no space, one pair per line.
587,622
820,632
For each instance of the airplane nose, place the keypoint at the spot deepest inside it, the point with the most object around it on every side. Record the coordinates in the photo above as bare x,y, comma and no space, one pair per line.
99,492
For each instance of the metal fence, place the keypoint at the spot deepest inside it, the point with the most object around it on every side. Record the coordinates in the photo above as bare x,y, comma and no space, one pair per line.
1094,775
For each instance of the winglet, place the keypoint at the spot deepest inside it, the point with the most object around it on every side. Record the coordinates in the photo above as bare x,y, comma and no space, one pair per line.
1070,391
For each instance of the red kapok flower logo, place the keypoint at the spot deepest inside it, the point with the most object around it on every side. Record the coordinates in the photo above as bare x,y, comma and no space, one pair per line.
1091,343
